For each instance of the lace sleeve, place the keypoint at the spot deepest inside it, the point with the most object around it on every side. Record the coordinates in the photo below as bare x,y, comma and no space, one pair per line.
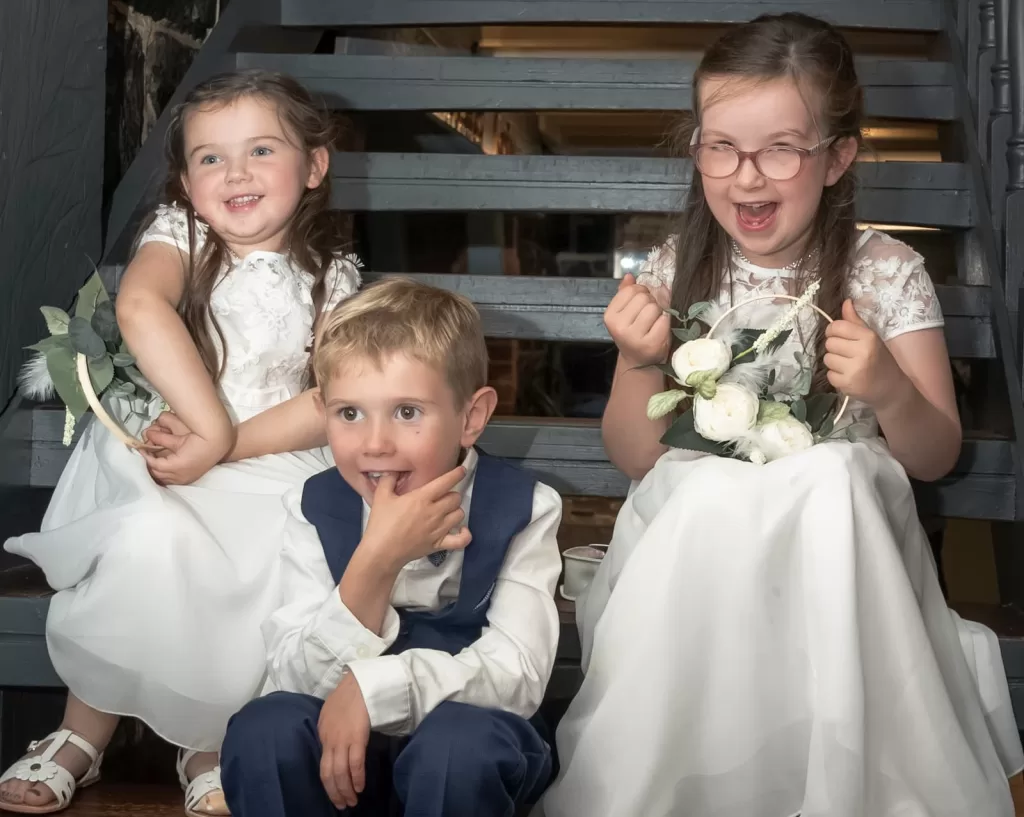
343,280
170,226
891,288
660,267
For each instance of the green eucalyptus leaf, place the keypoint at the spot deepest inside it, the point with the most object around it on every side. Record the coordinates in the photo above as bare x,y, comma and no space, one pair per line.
819,406
56,320
826,427
84,339
104,322
768,411
61,366
53,342
798,408
664,403
90,296
682,333
101,372
123,359
675,431
684,435
697,309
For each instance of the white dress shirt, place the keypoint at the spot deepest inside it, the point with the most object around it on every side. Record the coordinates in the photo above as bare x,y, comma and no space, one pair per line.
313,639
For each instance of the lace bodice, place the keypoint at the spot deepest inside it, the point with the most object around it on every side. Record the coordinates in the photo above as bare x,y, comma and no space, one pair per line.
264,306
888,285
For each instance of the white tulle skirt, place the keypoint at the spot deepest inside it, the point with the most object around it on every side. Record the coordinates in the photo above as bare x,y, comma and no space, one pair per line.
766,641
161,591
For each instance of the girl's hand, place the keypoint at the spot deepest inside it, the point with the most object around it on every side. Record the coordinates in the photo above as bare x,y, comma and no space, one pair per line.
184,457
638,324
859,363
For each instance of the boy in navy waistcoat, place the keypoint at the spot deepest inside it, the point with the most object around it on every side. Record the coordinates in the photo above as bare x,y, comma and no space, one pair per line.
417,627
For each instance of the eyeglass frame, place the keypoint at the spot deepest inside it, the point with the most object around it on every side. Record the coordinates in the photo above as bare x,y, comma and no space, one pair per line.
753,156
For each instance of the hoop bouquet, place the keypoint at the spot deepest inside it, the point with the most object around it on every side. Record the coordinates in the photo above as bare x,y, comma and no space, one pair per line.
728,375
83,359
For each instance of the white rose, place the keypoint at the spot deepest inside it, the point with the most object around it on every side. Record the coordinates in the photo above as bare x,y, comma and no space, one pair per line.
701,355
786,436
730,414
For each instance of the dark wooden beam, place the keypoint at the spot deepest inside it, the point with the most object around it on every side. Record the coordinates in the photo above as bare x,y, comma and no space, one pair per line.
904,89
928,194
911,15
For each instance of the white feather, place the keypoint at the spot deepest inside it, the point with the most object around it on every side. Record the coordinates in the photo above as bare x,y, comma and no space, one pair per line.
753,375
34,379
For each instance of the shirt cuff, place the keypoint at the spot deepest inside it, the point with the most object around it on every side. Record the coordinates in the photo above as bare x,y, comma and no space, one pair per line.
342,636
387,688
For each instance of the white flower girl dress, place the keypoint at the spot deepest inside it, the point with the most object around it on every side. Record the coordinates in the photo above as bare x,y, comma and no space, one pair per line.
161,590
771,640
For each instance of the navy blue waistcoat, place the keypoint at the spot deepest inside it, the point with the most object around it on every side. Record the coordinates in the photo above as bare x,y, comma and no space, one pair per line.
501,507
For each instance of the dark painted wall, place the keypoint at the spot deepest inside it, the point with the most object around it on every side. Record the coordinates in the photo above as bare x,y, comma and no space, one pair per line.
151,44
52,59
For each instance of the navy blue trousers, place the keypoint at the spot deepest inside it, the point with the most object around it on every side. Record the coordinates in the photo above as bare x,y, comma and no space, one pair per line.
462,761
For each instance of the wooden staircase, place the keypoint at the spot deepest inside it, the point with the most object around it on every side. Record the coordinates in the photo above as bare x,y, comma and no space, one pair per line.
959,84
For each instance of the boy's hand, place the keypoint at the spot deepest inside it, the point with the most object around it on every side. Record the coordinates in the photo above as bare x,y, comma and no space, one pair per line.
183,456
413,525
636,320
344,729
859,363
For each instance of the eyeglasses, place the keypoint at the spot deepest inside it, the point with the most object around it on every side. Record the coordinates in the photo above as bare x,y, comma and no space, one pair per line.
778,163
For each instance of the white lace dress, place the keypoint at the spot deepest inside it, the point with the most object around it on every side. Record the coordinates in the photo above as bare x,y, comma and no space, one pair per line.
161,591
766,641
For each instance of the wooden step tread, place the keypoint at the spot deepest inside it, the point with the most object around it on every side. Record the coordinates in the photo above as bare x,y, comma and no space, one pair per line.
128,800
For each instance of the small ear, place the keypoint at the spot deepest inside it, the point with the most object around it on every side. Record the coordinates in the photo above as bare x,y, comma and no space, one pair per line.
318,401
319,164
479,409
184,184
842,154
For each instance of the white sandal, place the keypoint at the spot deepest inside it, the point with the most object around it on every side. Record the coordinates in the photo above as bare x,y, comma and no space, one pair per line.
44,769
200,785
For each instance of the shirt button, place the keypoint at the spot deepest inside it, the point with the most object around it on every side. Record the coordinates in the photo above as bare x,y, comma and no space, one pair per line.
363,651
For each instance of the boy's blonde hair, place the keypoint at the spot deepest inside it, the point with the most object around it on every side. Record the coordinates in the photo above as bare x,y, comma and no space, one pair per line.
400,315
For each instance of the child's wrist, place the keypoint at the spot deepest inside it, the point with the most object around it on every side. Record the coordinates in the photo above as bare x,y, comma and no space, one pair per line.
896,397
377,558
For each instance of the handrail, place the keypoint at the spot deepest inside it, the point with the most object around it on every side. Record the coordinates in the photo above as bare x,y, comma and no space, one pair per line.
1001,326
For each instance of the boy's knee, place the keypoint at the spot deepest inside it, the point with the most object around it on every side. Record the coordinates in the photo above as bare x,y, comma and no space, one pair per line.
478,743
281,719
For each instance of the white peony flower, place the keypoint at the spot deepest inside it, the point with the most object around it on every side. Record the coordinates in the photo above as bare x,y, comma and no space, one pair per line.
781,437
701,355
730,414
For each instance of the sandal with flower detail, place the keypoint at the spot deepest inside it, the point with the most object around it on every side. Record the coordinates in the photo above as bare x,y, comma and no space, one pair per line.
44,769
199,787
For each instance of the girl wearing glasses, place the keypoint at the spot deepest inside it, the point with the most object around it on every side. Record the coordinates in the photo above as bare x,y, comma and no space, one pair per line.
771,640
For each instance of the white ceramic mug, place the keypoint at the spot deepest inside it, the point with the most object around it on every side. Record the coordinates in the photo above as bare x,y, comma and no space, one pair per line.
581,565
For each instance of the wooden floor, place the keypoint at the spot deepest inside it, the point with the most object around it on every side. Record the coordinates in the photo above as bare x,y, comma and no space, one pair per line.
120,800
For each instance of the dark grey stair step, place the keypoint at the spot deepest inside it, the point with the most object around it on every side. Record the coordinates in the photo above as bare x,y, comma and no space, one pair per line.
930,194
572,309
901,89
570,457
911,15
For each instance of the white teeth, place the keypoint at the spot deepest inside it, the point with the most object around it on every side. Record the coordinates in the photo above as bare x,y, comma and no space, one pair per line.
239,200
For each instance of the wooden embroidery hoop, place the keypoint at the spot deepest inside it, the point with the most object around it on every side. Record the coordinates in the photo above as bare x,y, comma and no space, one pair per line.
84,378
769,297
